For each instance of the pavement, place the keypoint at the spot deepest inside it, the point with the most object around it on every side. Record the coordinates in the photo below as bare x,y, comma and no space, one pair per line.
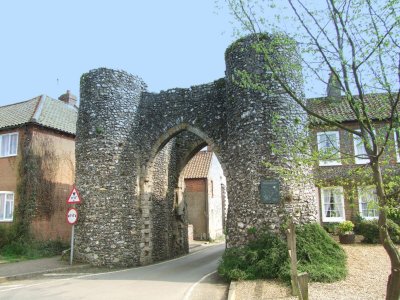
29,268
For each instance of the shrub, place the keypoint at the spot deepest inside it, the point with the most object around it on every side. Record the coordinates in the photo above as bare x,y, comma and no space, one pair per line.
262,258
267,257
394,215
331,228
29,249
319,255
8,234
4,236
370,230
394,231
345,227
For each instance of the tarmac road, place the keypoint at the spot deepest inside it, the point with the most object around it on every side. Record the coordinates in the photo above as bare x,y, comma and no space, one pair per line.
191,277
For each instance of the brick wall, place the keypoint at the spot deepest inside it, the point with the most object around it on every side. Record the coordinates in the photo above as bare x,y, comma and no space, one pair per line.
55,227
195,185
195,196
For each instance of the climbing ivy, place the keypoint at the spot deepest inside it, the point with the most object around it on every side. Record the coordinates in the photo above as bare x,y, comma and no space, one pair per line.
35,189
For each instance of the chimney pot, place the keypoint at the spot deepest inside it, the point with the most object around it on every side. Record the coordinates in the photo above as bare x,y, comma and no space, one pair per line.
333,90
68,98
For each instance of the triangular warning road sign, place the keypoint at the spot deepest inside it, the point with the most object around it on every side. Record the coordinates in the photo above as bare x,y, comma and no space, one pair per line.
74,197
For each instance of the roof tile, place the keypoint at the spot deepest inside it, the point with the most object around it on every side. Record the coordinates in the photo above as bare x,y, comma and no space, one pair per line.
198,166
58,115
41,110
378,108
18,113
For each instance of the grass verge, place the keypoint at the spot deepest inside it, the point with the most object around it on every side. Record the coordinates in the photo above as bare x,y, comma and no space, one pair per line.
19,250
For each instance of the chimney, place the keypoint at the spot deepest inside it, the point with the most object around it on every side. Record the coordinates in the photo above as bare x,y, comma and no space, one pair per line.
333,89
68,98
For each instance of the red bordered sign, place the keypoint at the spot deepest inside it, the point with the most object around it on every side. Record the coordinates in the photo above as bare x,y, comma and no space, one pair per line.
74,197
72,216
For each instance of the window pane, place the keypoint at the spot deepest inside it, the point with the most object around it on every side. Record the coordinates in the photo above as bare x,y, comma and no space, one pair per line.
328,145
332,203
13,144
326,202
328,141
4,144
361,149
368,202
332,140
338,205
323,139
9,210
2,205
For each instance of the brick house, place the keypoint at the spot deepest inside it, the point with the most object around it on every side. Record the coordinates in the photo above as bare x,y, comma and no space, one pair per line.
37,157
342,196
205,196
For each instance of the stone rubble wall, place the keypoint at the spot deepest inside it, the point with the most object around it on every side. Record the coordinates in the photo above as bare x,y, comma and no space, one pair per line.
132,145
109,221
251,133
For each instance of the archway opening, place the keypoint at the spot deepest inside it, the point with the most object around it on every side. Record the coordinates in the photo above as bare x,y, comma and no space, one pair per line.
169,204
205,197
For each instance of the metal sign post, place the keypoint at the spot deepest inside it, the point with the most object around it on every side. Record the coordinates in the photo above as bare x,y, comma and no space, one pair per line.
72,245
72,218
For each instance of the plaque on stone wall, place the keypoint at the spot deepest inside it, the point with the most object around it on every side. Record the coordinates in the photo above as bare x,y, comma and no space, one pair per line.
269,191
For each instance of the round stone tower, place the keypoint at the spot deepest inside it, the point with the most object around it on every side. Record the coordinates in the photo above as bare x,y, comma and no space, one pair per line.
260,117
107,232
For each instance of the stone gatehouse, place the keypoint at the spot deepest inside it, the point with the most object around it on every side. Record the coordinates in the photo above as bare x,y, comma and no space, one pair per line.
131,146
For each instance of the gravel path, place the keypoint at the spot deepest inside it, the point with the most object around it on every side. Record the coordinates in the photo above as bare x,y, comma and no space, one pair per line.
368,266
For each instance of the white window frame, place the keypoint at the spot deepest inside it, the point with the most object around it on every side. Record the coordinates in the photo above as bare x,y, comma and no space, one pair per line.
361,193
359,160
333,162
341,209
4,206
396,147
9,153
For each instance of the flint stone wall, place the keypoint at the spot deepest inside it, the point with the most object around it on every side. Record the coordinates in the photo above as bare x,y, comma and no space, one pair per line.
131,146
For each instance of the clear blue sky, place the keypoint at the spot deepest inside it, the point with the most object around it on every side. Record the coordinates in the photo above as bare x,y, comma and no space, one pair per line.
46,45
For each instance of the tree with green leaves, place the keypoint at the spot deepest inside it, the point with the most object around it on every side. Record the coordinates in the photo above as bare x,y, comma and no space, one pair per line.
357,43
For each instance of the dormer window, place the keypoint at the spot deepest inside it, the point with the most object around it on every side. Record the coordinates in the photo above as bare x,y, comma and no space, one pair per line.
8,144
328,147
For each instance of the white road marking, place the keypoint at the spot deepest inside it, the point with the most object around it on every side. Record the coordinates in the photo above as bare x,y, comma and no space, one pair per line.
9,287
190,291
66,274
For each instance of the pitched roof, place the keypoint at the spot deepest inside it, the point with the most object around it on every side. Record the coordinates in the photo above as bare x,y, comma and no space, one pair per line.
198,166
41,110
377,106
18,113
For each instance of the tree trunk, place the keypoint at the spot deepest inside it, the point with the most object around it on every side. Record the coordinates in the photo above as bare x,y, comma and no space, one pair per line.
393,285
